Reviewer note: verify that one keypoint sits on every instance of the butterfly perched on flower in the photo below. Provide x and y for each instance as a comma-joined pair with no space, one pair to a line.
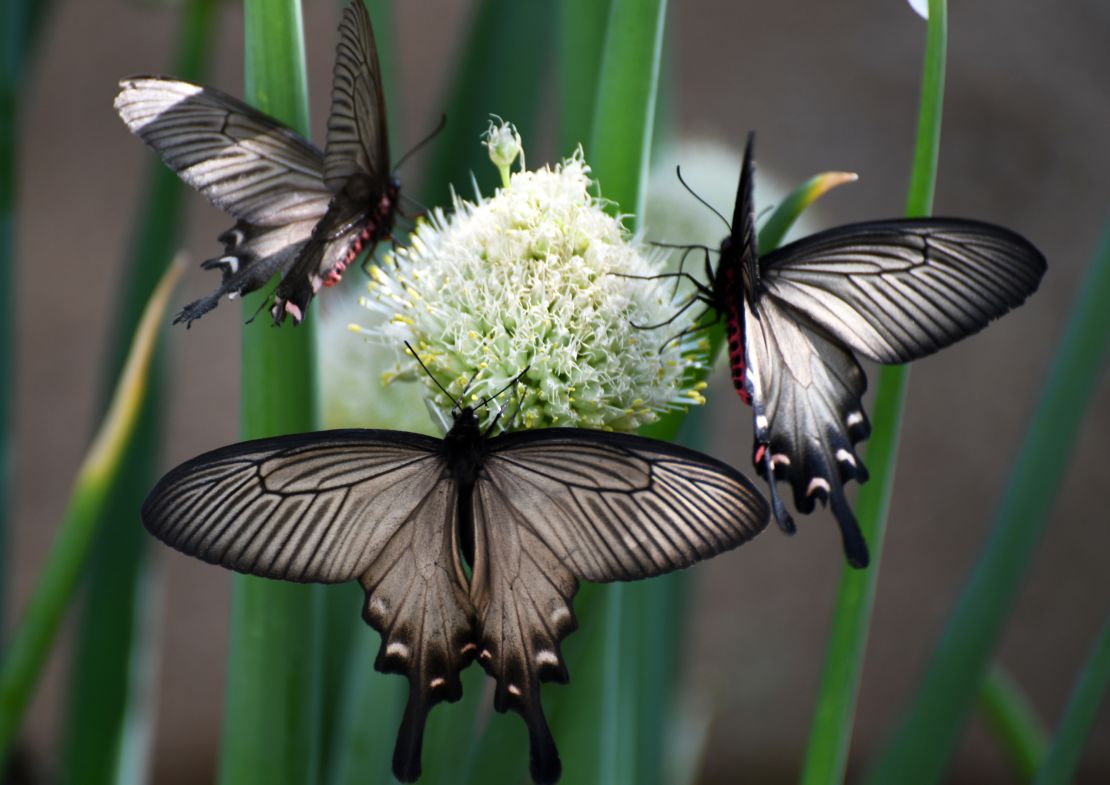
891,291
468,547
299,212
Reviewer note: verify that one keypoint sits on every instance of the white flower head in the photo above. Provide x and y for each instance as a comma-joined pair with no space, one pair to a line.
538,277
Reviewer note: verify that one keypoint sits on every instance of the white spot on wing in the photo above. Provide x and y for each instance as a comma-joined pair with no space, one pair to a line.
379,606
514,690
437,683
397,649
560,615
844,456
817,483
547,657
761,422
778,458
855,418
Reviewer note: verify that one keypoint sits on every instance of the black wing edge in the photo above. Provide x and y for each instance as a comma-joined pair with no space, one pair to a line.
744,237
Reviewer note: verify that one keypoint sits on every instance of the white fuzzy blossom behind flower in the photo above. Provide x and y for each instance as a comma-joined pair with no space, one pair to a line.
534,277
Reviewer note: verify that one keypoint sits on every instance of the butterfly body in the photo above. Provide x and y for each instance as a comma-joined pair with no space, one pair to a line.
532,513
359,217
891,291
300,212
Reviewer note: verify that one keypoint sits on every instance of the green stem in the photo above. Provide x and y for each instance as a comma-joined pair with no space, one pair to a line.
582,25
620,154
1014,722
831,733
272,717
1079,715
924,740
30,646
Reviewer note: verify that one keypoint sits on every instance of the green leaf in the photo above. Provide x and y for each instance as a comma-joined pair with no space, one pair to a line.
1079,715
501,72
26,655
1014,722
272,726
582,25
105,704
924,740
831,732
619,152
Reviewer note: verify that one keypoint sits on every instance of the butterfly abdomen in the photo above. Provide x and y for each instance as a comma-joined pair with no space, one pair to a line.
734,326
377,226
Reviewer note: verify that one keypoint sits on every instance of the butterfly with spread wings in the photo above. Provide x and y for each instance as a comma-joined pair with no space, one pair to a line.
531,513
298,211
891,291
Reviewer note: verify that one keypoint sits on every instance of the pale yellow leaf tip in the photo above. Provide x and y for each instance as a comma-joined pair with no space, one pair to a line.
130,389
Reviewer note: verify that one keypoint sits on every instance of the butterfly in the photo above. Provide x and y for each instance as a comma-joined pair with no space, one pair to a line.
298,211
468,547
891,291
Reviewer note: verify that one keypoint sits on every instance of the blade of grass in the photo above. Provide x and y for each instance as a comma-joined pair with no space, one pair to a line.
502,70
111,641
343,630
1014,722
271,730
582,25
620,154
833,717
30,646
924,740
1079,715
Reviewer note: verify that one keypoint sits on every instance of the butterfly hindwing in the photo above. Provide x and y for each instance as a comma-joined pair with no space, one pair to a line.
899,290
806,392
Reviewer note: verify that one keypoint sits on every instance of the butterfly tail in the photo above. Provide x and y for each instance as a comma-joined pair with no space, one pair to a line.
545,765
410,739
855,547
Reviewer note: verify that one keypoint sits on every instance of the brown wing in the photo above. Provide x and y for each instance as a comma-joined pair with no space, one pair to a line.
329,507
558,505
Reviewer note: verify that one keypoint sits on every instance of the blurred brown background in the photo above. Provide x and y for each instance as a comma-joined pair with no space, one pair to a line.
827,86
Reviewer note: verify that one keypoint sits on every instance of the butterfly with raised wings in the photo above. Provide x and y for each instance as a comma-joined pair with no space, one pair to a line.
891,291
298,211
531,513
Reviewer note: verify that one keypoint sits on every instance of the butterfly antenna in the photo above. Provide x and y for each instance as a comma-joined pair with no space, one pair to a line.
512,381
501,410
422,142
432,377
678,171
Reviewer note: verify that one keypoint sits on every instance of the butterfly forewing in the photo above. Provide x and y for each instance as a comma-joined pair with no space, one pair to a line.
356,170
898,290
358,142
242,161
